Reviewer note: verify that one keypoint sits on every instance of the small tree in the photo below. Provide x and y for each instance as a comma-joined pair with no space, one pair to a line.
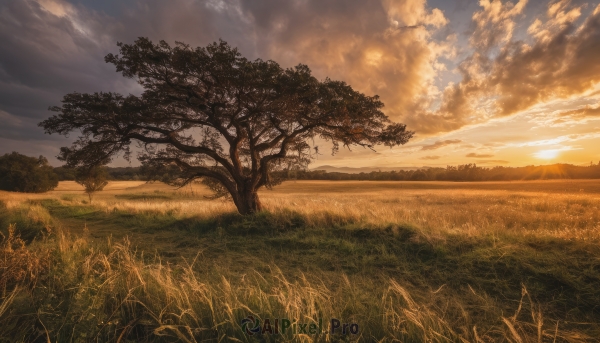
92,179
211,113
20,173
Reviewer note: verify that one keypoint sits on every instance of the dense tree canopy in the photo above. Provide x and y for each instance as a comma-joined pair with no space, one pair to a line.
210,113
20,173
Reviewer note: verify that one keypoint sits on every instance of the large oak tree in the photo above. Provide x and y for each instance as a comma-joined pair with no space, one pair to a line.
210,113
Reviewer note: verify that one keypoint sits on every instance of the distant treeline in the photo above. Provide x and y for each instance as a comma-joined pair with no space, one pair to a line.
114,173
466,172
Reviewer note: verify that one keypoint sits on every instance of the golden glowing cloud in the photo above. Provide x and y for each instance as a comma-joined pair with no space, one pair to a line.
58,8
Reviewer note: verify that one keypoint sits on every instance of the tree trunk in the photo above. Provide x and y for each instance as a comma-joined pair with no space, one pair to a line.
248,203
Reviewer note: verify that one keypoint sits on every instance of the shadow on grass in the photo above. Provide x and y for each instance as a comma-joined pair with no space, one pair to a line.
263,223
561,274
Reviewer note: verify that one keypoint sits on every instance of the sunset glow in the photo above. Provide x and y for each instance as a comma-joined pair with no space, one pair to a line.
300,170
547,154
491,82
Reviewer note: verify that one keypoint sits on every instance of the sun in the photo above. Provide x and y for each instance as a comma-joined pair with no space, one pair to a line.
546,154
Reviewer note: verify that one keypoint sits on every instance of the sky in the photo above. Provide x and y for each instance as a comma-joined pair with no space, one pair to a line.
493,82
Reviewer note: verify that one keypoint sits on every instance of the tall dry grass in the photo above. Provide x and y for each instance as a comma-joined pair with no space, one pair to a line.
571,216
109,294
62,287
565,211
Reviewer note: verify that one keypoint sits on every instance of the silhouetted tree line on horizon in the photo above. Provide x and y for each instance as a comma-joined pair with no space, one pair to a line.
113,174
30,174
466,172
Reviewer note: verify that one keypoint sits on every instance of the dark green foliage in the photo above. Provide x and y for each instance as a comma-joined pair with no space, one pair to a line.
124,173
65,173
20,173
114,173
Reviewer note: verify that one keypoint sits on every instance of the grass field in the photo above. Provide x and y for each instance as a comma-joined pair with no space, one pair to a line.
406,261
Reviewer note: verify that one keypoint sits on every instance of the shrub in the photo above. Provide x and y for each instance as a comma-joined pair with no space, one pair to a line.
93,180
20,173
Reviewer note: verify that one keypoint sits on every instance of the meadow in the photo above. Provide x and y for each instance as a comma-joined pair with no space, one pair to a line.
406,261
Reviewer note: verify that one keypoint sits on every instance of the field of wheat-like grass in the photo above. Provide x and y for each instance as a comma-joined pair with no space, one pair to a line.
405,261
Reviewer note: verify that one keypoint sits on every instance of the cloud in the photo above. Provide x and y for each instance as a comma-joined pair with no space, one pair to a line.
9,119
584,112
561,63
503,77
441,144
558,142
54,47
399,50
494,23
378,47
493,162
491,26
51,48
430,157
479,155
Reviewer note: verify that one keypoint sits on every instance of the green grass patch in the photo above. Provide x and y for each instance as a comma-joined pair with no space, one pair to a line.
29,220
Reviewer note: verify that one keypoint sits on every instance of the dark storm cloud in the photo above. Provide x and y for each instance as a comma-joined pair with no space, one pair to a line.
51,48
43,57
